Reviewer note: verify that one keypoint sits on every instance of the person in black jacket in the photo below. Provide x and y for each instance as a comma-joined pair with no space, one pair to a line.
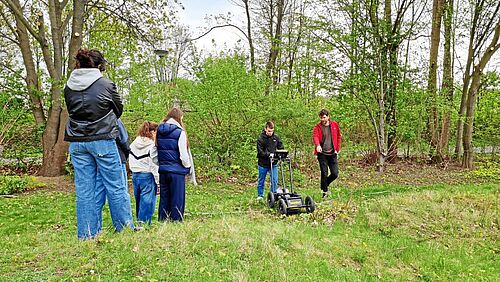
267,144
94,107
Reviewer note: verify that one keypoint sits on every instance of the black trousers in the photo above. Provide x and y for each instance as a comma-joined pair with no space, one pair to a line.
328,162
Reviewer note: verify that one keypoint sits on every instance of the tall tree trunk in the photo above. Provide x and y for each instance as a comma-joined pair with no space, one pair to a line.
390,66
31,74
447,85
471,99
432,78
465,87
392,146
249,33
382,155
271,68
54,147
76,32
293,47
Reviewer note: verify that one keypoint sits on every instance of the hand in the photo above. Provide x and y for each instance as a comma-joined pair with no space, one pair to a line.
319,149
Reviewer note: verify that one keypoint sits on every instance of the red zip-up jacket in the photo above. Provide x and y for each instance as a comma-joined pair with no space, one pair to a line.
318,135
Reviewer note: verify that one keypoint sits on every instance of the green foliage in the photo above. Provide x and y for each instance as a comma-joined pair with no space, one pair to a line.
15,116
412,115
487,114
146,100
17,184
225,118
487,170
226,110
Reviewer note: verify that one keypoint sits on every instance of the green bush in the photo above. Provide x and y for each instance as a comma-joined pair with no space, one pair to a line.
17,184
226,110
487,170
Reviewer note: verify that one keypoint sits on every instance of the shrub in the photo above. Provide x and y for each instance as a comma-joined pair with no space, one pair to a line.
17,184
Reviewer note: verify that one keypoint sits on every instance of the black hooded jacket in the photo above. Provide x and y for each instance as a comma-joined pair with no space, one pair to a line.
265,146
94,106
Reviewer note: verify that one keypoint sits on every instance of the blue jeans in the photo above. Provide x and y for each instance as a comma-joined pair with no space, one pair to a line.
100,195
88,158
145,195
172,196
263,171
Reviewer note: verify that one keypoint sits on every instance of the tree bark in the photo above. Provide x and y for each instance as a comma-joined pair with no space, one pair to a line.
32,85
54,147
471,98
271,68
466,83
391,47
76,32
249,35
432,78
447,85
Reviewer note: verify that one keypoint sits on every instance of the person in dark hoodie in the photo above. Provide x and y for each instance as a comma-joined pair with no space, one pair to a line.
94,106
174,164
267,144
124,151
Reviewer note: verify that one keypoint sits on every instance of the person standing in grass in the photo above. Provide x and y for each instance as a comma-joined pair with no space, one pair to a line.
145,176
123,150
327,139
267,144
174,164
94,107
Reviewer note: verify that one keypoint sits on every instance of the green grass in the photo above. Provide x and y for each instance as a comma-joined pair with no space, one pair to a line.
385,232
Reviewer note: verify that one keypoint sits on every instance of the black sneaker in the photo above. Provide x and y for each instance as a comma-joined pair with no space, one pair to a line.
325,195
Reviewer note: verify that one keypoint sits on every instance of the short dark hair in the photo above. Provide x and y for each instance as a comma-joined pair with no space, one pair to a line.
324,112
270,125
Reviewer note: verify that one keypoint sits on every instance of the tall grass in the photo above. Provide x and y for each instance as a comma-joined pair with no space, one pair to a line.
441,232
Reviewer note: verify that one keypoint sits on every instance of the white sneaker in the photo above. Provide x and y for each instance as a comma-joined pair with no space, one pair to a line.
259,198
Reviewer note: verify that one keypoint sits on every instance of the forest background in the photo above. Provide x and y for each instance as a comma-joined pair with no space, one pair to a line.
414,85
405,79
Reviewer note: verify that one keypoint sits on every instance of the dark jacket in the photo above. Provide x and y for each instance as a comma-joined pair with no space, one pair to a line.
94,106
122,142
167,139
265,146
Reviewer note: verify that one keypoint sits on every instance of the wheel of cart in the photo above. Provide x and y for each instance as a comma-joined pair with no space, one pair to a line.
282,208
270,199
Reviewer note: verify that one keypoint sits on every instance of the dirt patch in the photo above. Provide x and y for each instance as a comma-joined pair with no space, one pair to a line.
404,173
58,183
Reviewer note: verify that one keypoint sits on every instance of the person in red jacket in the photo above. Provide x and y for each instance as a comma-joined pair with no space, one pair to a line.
327,138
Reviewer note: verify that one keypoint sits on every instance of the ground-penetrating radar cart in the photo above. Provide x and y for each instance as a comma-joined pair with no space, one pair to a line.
285,198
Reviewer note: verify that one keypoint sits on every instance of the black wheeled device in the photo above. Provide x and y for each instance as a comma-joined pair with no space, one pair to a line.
285,198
